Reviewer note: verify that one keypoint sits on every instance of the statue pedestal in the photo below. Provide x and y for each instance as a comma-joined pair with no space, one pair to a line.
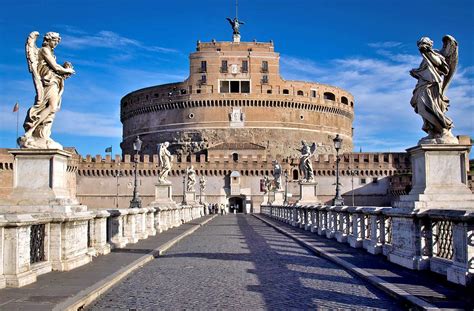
236,38
190,197
308,193
40,183
163,194
439,178
279,197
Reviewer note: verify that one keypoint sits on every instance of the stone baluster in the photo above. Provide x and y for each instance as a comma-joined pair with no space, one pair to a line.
116,226
98,234
373,242
150,221
356,238
140,223
462,269
130,226
331,222
314,219
322,220
342,231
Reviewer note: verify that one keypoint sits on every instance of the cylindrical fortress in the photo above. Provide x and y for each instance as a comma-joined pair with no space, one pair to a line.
234,94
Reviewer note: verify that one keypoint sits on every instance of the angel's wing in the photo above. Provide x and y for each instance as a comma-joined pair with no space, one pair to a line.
313,148
31,51
450,53
160,154
230,21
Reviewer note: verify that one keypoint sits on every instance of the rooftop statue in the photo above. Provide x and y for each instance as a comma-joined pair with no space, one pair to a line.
235,23
165,162
48,79
306,165
429,99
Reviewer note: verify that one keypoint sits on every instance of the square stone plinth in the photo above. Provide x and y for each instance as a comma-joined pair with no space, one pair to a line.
308,193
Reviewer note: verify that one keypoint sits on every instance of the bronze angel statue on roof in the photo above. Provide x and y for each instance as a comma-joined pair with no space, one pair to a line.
235,23
48,79
429,96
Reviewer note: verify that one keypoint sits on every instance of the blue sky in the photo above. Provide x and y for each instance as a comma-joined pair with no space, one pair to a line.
366,47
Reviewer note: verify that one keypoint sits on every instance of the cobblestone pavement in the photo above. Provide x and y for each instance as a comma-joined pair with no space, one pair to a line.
238,262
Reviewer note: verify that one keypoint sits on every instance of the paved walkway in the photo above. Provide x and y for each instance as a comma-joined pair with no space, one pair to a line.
60,289
424,286
238,262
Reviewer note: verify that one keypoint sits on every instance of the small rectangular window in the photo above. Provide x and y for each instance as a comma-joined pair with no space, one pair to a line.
203,79
224,87
224,66
264,66
203,66
245,66
264,79
234,86
313,93
363,181
375,180
245,87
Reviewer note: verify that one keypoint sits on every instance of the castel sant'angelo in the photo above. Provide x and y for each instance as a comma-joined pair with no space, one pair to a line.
230,120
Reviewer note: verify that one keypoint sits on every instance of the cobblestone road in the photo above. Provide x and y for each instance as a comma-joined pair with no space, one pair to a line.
237,262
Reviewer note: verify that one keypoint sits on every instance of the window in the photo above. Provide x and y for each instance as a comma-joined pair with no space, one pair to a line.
264,79
329,96
234,87
198,91
313,93
344,100
224,66
269,91
295,175
245,66
264,66
203,66
363,181
203,79
235,158
300,93
224,87
183,91
286,91
244,86
375,180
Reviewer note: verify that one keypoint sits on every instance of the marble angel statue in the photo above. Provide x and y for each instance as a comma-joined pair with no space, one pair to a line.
306,165
191,180
165,162
48,79
429,99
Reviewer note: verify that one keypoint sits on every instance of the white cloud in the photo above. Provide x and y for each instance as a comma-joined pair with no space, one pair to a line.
87,124
385,45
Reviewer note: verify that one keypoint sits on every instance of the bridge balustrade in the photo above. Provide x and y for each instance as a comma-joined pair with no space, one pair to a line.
440,240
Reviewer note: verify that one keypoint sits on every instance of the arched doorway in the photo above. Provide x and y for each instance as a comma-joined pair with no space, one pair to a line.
237,204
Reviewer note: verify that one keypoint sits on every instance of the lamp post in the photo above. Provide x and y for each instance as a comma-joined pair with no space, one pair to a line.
353,172
136,202
184,189
286,188
117,175
338,200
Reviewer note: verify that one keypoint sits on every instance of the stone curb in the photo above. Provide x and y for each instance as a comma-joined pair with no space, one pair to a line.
388,288
91,293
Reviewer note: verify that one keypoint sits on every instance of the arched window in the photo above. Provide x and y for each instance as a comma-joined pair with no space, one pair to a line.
344,100
300,93
235,157
286,91
295,175
329,96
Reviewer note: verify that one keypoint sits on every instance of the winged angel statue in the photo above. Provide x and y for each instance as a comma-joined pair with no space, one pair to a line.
306,166
48,79
429,96
165,162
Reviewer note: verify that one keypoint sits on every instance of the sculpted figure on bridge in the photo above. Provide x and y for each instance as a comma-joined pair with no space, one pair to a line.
277,175
306,165
48,79
191,180
429,96
165,162
202,183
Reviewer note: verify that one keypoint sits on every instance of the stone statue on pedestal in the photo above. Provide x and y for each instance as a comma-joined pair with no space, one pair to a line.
306,165
202,183
48,78
277,175
165,162
191,180
429,96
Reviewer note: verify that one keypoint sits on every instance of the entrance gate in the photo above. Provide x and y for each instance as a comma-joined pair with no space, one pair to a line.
237,204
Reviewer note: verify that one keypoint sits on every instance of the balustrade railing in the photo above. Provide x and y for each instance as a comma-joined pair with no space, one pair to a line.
37,237
441,237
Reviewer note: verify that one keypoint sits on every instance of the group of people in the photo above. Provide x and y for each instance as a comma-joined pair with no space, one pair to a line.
216,209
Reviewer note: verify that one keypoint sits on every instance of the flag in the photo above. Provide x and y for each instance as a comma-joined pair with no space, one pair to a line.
16,107
108,149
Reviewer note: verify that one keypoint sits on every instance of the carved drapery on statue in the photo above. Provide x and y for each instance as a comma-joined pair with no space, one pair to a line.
202,183
306,165
429,96
165,162
48,79
276,175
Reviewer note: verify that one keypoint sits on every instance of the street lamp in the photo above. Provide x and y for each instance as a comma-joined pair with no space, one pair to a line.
184,189
338,200
136,202
286,188
353,172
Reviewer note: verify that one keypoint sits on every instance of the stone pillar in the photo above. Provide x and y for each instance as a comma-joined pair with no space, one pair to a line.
308,193
356,238
130,226
322,220
150,221
140,222
2,238
116,228
98,233
462,269
69,240
343,228
374,242
190,197
331,223
314,219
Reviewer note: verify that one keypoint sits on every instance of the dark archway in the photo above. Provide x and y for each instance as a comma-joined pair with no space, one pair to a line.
237,204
